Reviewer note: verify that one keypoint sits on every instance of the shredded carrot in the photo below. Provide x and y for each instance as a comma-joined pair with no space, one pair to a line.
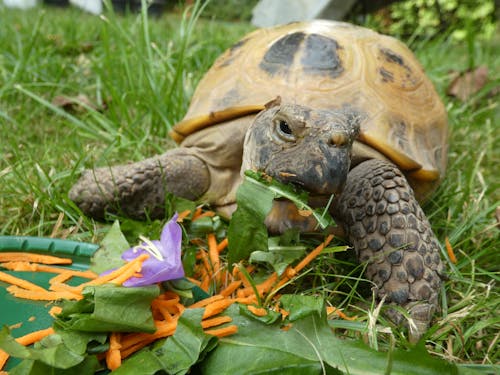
449,250
205,279
257,311
35,267
217,307
222,332
313,254
10,279
196,213
214,322
60,278
204,214
36,336
183,215
213,254
113,355
246,300
42,295
222,245
206,301
231,288
284,313
32,257
17,325
55,310
4,357
333,310
112,276
286,327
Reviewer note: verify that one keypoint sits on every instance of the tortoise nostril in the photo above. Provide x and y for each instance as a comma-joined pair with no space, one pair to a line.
338,139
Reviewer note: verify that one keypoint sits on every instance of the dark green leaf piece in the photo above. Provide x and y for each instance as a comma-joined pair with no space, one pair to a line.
109,308
109,254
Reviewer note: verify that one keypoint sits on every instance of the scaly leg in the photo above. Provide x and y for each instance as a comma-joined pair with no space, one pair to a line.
390,232
138,190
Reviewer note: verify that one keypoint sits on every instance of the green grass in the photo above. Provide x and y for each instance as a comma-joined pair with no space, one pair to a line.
143,72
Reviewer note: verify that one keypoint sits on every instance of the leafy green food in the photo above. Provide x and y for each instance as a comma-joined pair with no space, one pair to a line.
56,354
310,347
247,231
111,248
110,308
282,251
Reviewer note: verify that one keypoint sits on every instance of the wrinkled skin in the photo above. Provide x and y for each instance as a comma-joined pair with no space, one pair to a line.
295,144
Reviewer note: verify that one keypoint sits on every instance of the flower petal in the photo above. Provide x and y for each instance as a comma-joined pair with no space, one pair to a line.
156,270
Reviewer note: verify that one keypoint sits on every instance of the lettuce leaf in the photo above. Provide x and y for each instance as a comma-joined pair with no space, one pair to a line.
310,347
110,308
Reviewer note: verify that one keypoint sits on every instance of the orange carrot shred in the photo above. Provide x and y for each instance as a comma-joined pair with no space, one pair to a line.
313,254
32,257
113,355
257,311
42,295
213,254
55,310
184,214
35,267
206,301
217,307
4,357
204,214
449,250
222,332
197,213
222,245
10,279
231,288
112,276
214,322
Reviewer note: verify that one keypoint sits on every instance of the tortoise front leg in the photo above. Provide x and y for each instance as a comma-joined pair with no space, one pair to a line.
138,190
390,232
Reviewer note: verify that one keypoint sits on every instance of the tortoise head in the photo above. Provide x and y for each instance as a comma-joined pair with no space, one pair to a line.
307,147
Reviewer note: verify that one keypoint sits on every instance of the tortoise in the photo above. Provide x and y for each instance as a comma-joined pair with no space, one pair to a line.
329,106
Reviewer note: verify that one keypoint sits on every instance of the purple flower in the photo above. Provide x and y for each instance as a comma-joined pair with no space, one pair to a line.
164,262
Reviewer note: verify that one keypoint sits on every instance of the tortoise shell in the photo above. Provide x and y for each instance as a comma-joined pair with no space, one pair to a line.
331,65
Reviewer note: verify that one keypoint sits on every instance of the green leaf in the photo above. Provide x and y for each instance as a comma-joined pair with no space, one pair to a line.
290,192
57,355
109,254
302,306
247,231
309,346
110,308
30,367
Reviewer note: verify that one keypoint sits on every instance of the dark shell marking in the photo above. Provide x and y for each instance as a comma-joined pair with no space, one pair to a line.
279,57
319,55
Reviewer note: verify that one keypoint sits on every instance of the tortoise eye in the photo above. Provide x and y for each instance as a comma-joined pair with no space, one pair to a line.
284,128
284,131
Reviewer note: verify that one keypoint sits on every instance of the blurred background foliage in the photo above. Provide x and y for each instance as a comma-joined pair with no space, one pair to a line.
425,18
428,18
